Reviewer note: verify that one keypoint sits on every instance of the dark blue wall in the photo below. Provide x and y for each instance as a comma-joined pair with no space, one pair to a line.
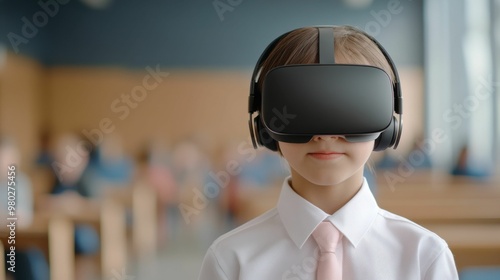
190,33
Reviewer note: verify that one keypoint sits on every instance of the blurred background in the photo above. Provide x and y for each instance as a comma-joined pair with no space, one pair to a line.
126,122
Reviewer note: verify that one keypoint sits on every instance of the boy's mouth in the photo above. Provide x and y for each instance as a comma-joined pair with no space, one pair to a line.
326,155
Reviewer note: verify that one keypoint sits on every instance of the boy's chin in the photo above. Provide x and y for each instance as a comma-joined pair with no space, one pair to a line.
326,180
329,178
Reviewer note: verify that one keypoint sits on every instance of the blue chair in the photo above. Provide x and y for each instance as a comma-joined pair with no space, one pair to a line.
480,273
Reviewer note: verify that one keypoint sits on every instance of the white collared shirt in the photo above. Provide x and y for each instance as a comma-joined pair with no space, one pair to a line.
376,244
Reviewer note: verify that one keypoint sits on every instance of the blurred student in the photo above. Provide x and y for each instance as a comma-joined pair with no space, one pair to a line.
191,168
31,264
109,168
70,160
155,168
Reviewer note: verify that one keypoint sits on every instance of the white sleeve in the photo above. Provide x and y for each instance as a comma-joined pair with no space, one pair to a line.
211,269
443,267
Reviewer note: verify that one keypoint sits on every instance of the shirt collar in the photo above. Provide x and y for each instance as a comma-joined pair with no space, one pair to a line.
300,217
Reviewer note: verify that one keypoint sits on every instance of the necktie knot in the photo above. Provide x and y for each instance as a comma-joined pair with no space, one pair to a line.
327,237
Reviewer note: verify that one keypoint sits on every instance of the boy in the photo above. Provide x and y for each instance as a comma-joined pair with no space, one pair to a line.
327,198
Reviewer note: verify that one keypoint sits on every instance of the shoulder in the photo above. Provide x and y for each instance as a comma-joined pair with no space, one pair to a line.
251,230
228,252
416,241
416,245
409,230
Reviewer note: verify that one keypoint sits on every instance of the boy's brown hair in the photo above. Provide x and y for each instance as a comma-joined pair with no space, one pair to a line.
301,47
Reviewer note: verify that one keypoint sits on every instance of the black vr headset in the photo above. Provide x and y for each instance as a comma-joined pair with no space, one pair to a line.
297,102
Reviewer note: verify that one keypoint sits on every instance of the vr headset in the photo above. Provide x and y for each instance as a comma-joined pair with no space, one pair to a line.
297,102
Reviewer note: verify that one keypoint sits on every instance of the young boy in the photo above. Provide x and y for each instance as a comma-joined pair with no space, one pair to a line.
327,198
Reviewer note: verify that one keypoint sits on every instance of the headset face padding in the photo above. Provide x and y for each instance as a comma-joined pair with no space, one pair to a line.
357,102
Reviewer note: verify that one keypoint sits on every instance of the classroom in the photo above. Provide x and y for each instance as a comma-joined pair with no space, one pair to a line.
137,140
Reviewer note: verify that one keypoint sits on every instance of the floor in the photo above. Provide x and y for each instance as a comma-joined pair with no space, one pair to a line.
183,253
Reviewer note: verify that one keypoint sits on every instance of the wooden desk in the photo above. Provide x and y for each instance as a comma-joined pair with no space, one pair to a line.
142,201
72,206
446,210
443,203
471,244
107,217
413,190
393,180
55,237
113,239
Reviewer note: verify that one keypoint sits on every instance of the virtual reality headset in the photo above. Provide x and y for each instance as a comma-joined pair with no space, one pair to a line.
297,102
300,101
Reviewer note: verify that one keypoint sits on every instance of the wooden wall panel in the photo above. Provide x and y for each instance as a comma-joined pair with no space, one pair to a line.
211,104
21,103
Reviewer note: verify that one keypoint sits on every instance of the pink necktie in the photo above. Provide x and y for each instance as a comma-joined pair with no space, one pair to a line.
327,237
